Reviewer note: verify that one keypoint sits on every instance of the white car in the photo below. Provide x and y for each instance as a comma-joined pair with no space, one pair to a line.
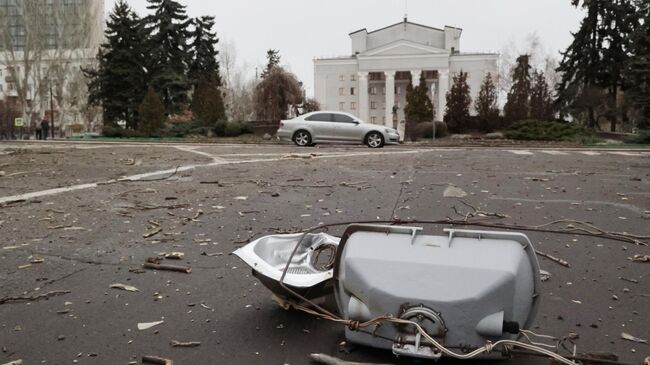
335,127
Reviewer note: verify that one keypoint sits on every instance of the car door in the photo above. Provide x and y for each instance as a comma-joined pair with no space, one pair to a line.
322,126
347,128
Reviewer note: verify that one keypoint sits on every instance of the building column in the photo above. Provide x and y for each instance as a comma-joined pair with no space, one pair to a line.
363,96
415,77
443,87
390,97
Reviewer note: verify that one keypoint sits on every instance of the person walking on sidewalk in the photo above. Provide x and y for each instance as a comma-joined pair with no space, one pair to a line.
39,130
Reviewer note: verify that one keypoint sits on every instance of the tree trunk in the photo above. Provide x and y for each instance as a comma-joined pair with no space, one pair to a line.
592,118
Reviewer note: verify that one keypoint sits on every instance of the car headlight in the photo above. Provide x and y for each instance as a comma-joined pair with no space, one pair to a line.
389,130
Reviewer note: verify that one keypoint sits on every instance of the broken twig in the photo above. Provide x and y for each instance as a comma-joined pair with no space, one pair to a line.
553,258
34,297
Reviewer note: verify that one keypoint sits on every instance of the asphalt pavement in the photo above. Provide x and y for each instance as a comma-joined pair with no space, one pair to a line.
76,218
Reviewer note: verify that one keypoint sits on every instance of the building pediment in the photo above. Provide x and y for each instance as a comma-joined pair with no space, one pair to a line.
403,47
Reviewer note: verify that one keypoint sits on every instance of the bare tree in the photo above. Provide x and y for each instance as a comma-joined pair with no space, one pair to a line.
238,86
43,46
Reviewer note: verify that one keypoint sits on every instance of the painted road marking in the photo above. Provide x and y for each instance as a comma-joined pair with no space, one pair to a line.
521,152
143,177
630,154
554,153
589,153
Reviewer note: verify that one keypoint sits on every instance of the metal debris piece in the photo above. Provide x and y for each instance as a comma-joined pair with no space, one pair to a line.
152,232
172,255
124,287
544,275
146,325
629,337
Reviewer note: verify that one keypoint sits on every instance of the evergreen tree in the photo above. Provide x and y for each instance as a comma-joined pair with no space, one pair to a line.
152,113
207,101
118,85
273,60
518,103
204,64
596,57
486,104
459,100
168,47
418,107
276,93
541,103
638,67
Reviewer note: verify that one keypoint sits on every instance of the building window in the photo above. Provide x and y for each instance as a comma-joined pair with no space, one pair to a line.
383,120
353,106
430,75
373,90
341,91
398,90
1,89
353,77
11,86
352,91
373,120
383,90
373,105
341,78
342,105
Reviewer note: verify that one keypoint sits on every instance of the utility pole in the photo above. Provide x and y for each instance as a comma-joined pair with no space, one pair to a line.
51,110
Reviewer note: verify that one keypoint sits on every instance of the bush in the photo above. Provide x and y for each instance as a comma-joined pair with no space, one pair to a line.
642,138
425,130
235,129
119,132
183,129
535,130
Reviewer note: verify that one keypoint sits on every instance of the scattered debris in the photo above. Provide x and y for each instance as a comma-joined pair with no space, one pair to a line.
240,198
124,287
152,232
477,212
629,337
146,325
34,297
212,254
172,255
544,275
454,192
15,362
175,343
156,360
639,258
553,258
153,263
329,360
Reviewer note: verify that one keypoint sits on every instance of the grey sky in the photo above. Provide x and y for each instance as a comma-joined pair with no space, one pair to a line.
304,29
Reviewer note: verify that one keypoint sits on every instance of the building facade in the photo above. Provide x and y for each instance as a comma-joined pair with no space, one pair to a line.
43,46
371,82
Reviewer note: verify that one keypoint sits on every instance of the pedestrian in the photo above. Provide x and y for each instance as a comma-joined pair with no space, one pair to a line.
45,126
39,131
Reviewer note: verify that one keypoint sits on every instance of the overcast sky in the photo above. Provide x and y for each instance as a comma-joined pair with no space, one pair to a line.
304,29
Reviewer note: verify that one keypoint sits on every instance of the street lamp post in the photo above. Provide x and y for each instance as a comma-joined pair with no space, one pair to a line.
51,111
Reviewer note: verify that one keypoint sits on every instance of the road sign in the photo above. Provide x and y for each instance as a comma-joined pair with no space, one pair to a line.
19,122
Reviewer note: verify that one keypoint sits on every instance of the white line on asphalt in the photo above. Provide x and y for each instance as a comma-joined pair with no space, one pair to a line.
631,154
521,152
142,177
193,150
554,153
589,153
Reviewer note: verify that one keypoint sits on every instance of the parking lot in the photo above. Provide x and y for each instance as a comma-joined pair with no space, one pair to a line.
76,218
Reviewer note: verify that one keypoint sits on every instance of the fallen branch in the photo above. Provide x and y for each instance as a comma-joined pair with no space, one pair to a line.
153,263
34,297
185,344
553,258
329,360
477,212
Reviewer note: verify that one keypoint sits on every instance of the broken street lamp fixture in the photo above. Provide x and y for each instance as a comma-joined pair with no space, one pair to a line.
436,295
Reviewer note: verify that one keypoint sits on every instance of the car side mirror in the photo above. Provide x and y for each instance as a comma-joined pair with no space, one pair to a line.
356,122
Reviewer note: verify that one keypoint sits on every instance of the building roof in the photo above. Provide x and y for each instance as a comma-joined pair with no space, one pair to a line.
401,23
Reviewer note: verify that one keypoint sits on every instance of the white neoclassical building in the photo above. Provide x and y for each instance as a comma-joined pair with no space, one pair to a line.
371,82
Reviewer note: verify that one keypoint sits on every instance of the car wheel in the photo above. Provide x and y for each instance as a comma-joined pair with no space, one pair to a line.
375,140
302,138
